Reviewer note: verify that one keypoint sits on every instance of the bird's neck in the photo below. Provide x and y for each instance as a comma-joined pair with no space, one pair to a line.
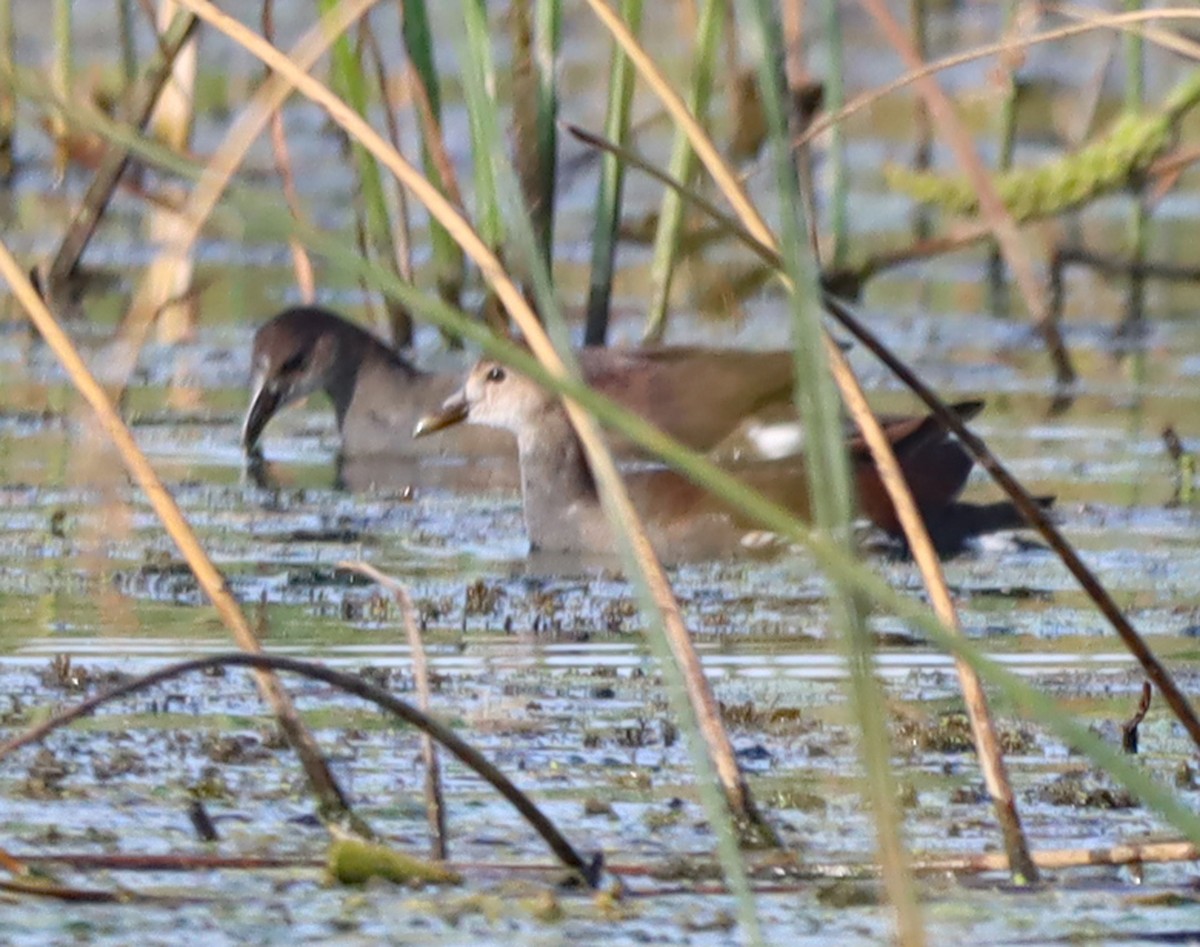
366,364
555,476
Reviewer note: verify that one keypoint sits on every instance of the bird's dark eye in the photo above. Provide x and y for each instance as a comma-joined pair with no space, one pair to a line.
495,373
293,364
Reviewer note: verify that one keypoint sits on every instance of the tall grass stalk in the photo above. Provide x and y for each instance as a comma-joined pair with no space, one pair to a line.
306,283
612,176
350,80
126,36
423,77
481,110
61,78
534,110
136,109
397,200
8,96
829,479
835,98
1139,218
547,35
1009,102
682,167
918,15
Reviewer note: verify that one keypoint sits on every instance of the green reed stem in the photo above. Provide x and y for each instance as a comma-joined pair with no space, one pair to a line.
835,98
419,46
922,127
537,190
482,111
682,167
61,75
350,80
8,96
612,176
125,35
829,478
1139,217
547,36
1008,141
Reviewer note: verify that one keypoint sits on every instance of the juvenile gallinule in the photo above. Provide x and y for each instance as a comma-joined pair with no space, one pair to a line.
562,508
696,395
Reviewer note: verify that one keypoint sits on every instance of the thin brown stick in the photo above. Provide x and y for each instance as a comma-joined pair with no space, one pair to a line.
83,224
435,803
848,281
350,684
173,861
14,866
301,263
1129,730
1058,859
991,207
332,801
45,889
983,729
1163,852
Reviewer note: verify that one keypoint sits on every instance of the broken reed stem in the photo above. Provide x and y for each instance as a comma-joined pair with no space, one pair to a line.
350,684
137,111
435,805
987,745
992,209
699,691
301,263
332,801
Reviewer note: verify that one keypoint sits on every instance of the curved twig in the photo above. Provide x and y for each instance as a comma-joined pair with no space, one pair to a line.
351,684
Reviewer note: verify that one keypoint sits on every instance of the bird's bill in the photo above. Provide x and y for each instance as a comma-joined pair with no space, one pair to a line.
264,402
453,412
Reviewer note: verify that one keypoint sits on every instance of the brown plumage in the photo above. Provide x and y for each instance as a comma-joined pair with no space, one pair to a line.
696,395
562,509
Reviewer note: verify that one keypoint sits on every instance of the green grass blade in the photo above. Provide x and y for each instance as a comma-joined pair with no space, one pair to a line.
612,176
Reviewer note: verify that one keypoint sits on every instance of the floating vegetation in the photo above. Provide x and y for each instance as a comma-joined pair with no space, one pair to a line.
1108,164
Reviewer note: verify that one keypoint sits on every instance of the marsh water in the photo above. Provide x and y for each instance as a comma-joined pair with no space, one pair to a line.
541,663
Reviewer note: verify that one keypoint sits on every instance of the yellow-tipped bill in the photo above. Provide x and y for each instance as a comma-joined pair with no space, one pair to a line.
453,412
